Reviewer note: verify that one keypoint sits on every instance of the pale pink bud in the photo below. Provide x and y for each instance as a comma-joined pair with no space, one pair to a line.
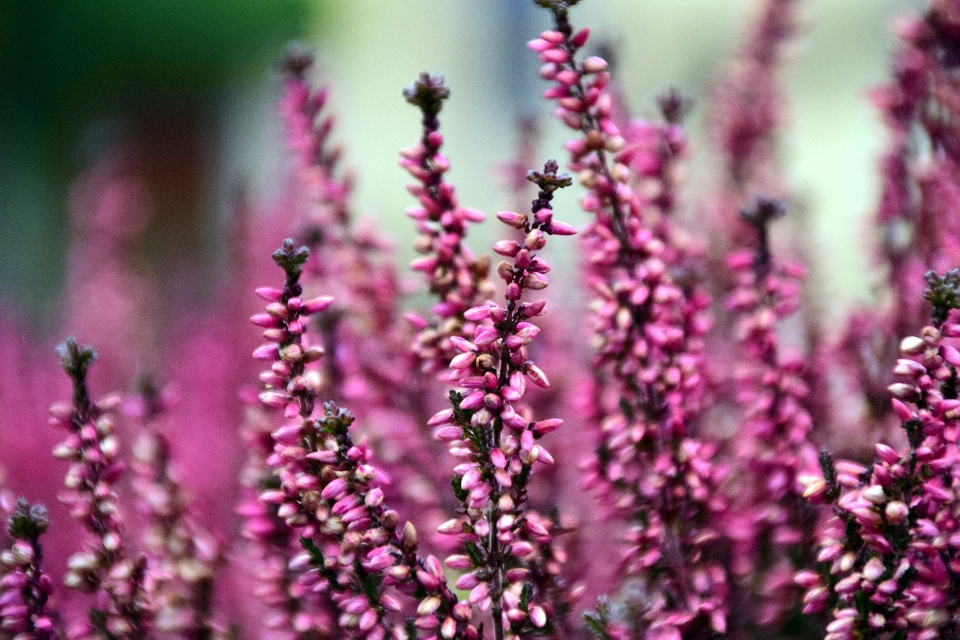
368,620
903,411
903,391
274,399
267,352
316,305
470,479
951,355
463,361
875,494
912,345
335,489
873,570
538,616
896,512
441,417
459,562
508,248
451,527
269,294
558,228
467,581
513,219
448,434
477,314
537,376
265,320
539,45
478,593
807,579
887,453
471,214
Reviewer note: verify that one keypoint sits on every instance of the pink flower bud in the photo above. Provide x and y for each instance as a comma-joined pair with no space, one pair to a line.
579,38
267,352
269,294
896,512
513,219
594,64
316,305
912,345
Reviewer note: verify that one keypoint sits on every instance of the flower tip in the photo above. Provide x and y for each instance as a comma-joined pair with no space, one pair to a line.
269,294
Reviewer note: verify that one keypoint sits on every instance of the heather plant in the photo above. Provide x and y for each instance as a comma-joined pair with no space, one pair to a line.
413,472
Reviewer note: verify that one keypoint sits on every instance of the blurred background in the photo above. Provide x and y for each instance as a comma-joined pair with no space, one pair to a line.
189,89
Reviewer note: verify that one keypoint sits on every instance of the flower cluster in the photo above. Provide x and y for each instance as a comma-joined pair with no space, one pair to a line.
331,494
916,214
648,325
489,433
694,416
120,582
455,276
183,555
24,586
890,555
773,441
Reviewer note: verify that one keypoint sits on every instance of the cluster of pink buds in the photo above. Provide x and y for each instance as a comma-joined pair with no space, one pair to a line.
291,614
890,556
749,103
24,586
492,436
332,495
307,132
454,275
648,327
920,191
122,584
919,199
183,556
773,437
287,383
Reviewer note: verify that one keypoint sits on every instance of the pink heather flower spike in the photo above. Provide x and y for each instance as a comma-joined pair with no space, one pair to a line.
773,439
124,585
24,586
455,276
916,216
333,497
889,553
182,555
748,110
288,386
496,444
367,342
648,333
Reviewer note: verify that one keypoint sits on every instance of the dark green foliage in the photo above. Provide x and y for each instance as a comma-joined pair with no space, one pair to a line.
943,293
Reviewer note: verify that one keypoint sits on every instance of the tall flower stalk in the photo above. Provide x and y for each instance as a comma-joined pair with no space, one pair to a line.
181,554
454,275
888,560
332,495
122,585
25,587
647,325
771,523
916,216
489,433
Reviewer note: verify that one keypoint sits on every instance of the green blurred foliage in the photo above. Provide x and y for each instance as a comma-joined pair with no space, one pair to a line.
64,63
